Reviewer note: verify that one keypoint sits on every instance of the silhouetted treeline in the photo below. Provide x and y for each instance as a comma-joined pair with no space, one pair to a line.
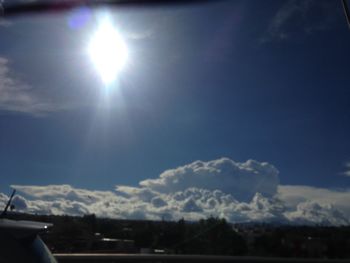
212,236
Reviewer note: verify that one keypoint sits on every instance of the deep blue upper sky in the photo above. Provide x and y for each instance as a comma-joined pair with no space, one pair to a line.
263,80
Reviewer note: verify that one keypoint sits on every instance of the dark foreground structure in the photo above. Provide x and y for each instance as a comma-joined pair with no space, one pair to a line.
91,239
71,258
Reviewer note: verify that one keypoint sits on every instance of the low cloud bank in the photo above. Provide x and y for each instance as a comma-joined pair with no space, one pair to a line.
239,192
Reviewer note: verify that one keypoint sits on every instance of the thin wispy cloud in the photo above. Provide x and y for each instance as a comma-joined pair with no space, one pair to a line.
347,169
146,34
5,22
300,17
17,96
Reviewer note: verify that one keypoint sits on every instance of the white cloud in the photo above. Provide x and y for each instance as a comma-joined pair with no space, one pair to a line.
16,96
65,192
19,202
241,180
3,199
313,212
198,190
293,195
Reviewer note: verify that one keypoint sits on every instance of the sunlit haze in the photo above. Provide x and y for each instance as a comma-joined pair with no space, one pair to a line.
107,51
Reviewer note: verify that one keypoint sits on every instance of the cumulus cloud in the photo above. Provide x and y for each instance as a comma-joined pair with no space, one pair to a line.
239,192
19,202
313,212
241,180
16,96
3,199
297,194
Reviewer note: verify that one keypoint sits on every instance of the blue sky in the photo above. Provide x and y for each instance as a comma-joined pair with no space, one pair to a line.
262,80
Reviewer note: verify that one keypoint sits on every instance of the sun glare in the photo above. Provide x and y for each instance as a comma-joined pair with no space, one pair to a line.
107,51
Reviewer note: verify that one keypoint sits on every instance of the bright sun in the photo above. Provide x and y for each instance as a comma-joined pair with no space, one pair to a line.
108,51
